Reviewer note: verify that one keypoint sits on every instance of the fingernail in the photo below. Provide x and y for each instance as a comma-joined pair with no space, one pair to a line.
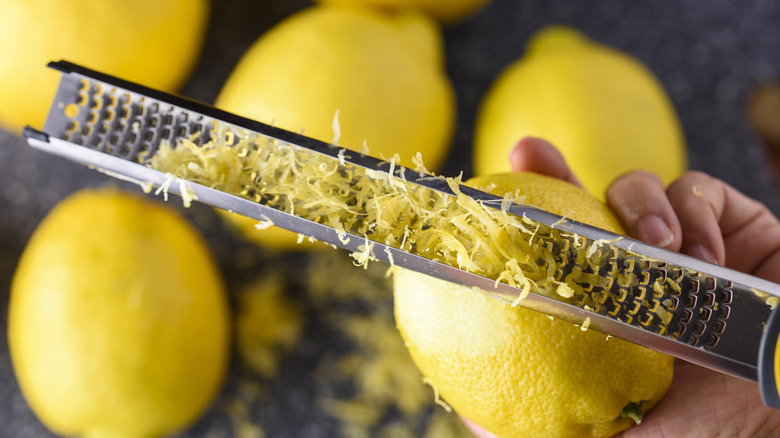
702,252
652,229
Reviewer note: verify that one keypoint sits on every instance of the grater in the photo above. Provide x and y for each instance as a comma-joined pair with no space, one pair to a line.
679,305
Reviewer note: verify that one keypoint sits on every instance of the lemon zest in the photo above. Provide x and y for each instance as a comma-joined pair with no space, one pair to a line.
382,207
163,188
336,128
436,398
264,223
146,186
187,194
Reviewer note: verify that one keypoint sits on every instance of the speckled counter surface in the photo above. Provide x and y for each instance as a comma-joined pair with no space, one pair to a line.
709,56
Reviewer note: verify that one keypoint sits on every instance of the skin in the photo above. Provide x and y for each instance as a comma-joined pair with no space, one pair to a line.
706,218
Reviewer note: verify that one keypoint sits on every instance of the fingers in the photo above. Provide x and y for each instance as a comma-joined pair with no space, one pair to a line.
700,216
697,214
536,155
738,231
639,199
699,201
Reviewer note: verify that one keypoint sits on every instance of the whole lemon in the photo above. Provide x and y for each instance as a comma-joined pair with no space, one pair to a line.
517,372
118,320
155,43
383,74
604,110
445,11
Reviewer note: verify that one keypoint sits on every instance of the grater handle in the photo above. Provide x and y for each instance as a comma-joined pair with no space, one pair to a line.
769,362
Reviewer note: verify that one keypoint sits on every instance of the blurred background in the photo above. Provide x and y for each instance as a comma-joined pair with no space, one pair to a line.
718,61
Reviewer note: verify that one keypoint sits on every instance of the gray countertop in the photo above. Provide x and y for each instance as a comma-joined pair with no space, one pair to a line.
709,56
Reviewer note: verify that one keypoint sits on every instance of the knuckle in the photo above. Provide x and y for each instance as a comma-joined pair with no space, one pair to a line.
633,182
694,176
639,178
692,183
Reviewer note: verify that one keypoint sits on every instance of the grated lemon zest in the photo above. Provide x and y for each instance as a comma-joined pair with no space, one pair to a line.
436,398
564,290
673,284
169,178
488,188
187,195
336,128
364,254
417,161
597,244
146,186
381,207
342,157
390,260
264,223
563,219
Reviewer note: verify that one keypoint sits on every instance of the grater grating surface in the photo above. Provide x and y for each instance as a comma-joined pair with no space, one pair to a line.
676,304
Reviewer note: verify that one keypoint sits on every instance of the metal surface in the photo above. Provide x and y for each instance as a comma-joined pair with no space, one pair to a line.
714,316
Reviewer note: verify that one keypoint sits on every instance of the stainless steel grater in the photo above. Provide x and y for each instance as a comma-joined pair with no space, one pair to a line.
673,303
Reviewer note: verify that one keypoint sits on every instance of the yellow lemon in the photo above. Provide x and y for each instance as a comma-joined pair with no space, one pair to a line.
155,43
604,110
383,74
517,372
118,320
446,11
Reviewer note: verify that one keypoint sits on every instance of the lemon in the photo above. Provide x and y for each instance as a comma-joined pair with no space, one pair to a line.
445,11
118,321
155,43
383,74
603,109
517,372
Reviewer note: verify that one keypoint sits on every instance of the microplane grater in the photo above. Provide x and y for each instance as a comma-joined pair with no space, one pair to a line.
670,302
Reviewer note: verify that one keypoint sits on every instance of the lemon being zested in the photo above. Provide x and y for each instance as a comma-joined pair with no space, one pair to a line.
517,372
604,110
383,74
118,320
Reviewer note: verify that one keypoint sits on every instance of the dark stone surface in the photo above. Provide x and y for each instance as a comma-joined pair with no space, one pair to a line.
709,56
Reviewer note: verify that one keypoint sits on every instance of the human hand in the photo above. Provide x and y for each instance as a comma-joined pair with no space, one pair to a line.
706,218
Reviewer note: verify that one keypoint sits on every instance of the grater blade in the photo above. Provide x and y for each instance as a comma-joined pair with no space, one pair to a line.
673,303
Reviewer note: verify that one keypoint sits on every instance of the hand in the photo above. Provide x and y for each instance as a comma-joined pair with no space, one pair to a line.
706,218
